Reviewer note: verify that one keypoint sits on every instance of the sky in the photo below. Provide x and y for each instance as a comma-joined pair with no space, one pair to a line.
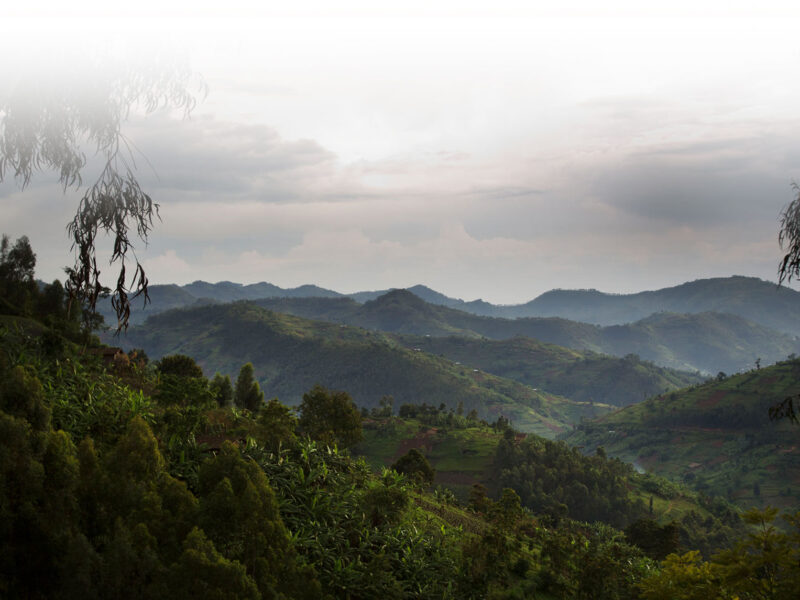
487,150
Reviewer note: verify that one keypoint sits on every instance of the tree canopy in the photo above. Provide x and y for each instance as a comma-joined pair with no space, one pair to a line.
330,416
247,393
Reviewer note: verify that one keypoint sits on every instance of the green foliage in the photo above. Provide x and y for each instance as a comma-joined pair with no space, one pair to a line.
17,285
142,508
579,375
654,540
202,572
414,465
177,390
590,562
21,395
683,577
356,531
291,355
248,394
555,479
330,417
222,389
276,426
179,365
385,501
239,513
765,564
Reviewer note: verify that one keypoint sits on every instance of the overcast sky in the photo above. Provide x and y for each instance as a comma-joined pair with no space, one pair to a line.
487,150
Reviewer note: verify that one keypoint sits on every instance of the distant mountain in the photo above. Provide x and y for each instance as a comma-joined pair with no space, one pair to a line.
478,307
291,354
749,297
718,436
756,300
167,297
706,342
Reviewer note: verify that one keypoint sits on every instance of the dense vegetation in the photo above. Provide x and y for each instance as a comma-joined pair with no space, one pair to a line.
117,486
122,478
552,479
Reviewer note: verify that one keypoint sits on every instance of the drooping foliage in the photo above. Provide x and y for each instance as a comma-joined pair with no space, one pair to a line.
51,121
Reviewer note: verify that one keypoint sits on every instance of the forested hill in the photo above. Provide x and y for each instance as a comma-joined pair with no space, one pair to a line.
291,354
717,435
708,342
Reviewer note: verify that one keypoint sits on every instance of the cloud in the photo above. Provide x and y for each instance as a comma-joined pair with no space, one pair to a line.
203,158
703,184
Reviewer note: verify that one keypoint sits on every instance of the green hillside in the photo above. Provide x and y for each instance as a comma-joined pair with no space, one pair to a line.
464,454
583,376
717,435
291,354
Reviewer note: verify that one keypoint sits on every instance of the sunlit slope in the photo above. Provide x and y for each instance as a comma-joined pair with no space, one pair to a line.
291,354
717,435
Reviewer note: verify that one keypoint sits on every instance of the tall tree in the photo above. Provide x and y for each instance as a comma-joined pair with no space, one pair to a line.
17,264
222,389
248,393
330,416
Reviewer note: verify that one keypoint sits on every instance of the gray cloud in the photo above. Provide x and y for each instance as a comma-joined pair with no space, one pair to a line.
216,159
704,184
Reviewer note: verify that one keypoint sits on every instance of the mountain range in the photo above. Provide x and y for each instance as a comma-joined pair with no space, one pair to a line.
705,342
748,297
